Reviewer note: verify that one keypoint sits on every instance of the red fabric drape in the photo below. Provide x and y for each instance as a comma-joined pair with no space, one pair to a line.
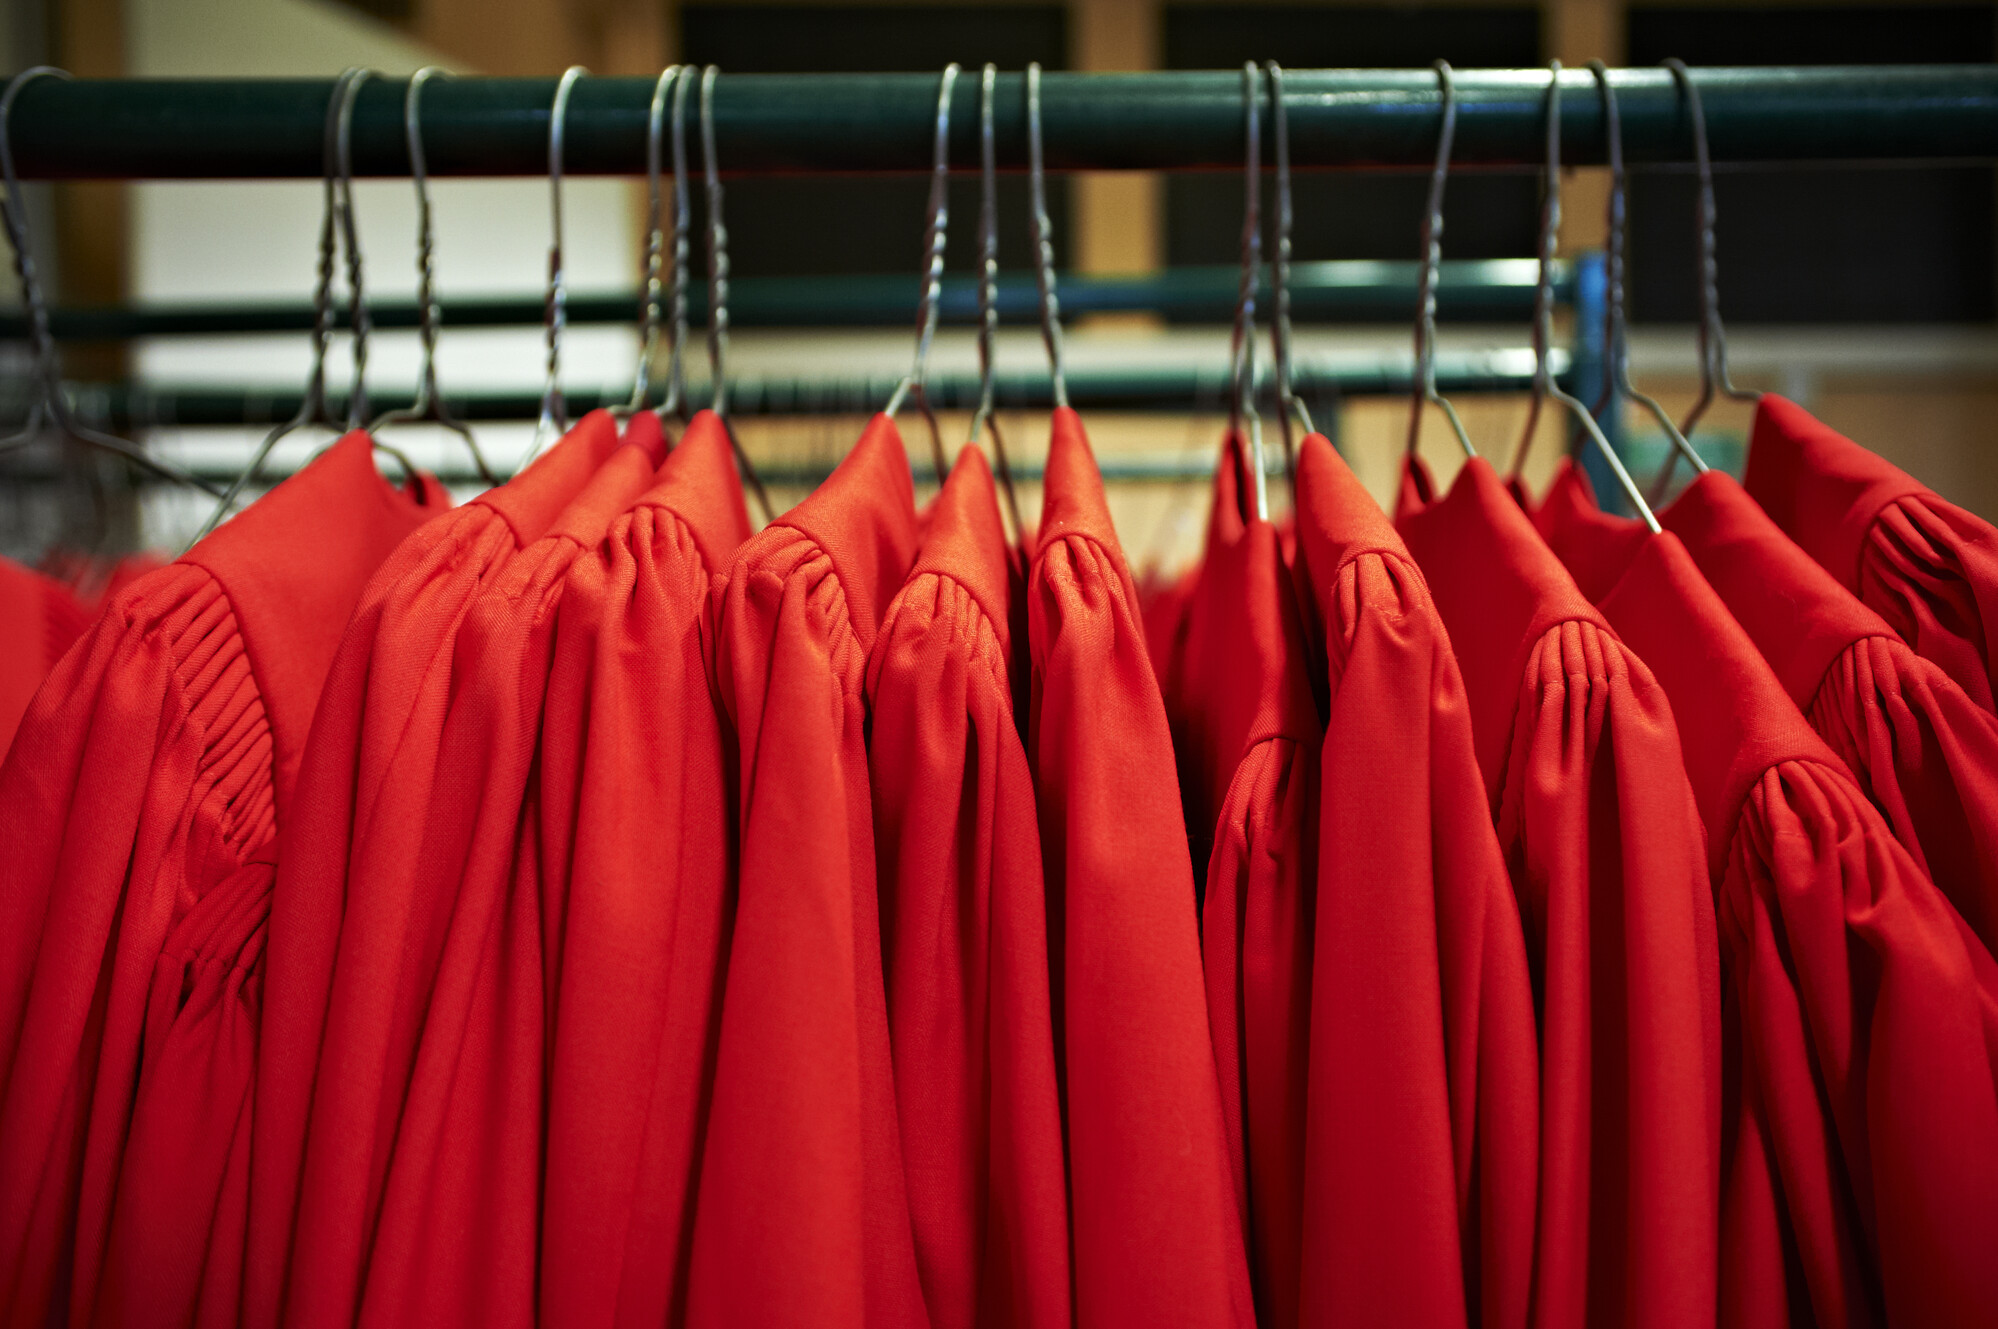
964,928
1581,757
43,620
1923,564
346,883
803,1214
1862,1181
138,806
1420,1169
1156,1235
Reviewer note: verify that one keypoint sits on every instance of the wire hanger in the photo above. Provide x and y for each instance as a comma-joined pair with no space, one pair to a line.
1289,405
554,418
718,289
1544,384
1616,331
336,223
916,380
652,313
428,408
984,418
50,409
1242,343
1713,336
1432,257
1044,264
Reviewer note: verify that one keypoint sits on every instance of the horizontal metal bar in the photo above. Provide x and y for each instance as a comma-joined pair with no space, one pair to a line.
1491,289
812,123
1166,389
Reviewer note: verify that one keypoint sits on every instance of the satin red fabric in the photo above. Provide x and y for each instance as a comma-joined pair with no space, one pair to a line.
138,806
803,1215
347,884
964,929
1420,1167
43,620
1926,566
633,821
1581,758
1156,1229
1921,750
1862,1177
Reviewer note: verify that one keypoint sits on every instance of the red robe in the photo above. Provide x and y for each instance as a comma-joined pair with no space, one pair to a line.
1862,1178
42,619
138,807
803,1216
1581,757
346,884
964,928
1919,747
637,853
1421,1157
1248,736
1924,564
456,1144
1156,1230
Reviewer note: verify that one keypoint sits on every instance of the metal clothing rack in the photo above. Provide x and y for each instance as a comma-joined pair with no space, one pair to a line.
773,124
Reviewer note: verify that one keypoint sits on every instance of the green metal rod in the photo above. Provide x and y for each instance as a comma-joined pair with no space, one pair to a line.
811,123
1165,388
1496,290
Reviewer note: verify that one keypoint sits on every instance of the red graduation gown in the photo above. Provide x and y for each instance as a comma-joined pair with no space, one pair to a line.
138,808
1920,748
1157,1234
1249,736
1862,1181
1924,564
1581,758
1421,1158
964,928
457,1141
42,620
637,853
346,885
803,1216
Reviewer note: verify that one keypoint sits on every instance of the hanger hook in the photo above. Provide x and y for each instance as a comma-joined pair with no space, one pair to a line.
1544,383
358,321
652,300
1242,415
917,380
554,407
1432,257
683,213
429,404
1044,271
1616,328
717,287
988,290
1712,334
1289,405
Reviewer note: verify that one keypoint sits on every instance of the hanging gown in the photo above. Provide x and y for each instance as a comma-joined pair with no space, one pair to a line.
138,809
1421,1155
964,928
456,1145
1924,564
346,886
1921,750
803,1215
1581,758
1862,1186
1248,738
1156,1231
637,853
42,620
